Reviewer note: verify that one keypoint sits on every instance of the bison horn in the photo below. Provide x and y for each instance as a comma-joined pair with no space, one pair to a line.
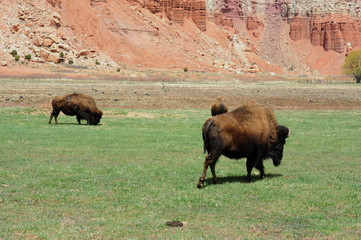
283,131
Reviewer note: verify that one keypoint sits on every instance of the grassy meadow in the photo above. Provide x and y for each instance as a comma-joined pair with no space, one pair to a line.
138,169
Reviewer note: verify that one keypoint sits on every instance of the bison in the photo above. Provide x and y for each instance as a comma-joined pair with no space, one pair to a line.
250,131
218,107
80,105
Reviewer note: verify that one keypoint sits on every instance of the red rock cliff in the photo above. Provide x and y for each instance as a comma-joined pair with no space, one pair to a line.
283,36
332,32
178,10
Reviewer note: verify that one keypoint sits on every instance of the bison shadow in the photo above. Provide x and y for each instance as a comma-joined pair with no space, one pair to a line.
73,123
241,179
65,123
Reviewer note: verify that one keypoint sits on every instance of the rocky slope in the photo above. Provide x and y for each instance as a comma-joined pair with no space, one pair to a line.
285,37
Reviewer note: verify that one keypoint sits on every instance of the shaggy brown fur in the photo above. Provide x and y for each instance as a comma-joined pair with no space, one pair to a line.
218,107
250,131
80,105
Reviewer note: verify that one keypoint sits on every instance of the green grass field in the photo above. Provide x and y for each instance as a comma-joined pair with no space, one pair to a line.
127,177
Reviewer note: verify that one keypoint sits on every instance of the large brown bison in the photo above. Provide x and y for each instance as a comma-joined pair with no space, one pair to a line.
218,107
250,131
80,105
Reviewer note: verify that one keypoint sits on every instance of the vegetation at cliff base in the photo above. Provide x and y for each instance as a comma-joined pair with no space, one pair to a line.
352,65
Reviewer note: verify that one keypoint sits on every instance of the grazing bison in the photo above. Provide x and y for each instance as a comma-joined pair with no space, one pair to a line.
218,107
81,105
250,131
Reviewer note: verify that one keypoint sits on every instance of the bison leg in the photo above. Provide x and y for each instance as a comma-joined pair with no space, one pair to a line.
255,161
51,117
213,169
260,167
211,160
250,164
54,114
83,115
78,118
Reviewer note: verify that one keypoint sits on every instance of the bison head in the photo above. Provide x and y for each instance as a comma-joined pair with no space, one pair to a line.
276,152
95,117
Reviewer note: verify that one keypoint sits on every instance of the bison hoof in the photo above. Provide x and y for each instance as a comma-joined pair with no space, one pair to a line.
200,183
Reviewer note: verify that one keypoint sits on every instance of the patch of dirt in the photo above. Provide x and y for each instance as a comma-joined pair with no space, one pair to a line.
130,115
198,90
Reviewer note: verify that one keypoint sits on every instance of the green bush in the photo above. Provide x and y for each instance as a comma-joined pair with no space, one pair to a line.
17,57
28,57
71,62
61,55
118,69
185,69
14,53
97,62
352,65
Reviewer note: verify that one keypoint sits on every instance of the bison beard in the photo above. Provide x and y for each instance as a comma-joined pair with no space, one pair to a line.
250,131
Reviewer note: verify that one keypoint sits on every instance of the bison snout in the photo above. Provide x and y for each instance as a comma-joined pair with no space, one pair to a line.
276,159
276,163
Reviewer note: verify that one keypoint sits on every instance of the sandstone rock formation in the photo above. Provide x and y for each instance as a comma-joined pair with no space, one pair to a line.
332,32
178,10
331,24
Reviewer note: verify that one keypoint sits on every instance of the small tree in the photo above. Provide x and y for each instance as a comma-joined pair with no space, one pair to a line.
28,57
352,65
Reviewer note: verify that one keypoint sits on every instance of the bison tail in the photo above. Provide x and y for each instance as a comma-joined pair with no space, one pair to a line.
205,133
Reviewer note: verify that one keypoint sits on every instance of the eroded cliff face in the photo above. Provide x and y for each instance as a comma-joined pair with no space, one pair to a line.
289,36
178,10
333,25
326,23
332,32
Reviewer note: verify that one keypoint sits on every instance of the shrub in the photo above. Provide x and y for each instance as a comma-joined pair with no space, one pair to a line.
17,57
352,65
97,62
71,62
118,69
185,69
28,57
61,55
14,53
